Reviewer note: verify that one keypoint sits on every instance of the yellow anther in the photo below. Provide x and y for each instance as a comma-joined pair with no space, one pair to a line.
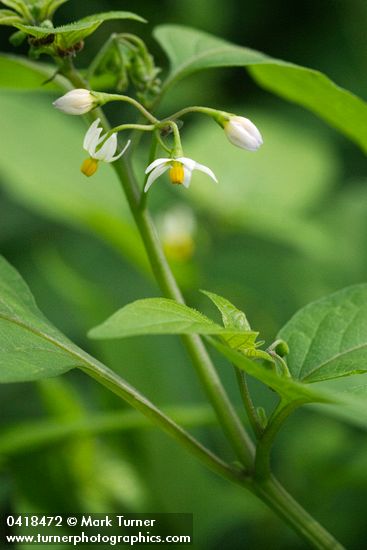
177,173
89,167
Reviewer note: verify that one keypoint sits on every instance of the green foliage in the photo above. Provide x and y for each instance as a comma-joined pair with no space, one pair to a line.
122,61
190,51
48,8
8,17
30,347
67,36
34,21
30,75
346,402
236,320
289,389
264,203
21,7
231,316
328,338
33,10
162,316
158,316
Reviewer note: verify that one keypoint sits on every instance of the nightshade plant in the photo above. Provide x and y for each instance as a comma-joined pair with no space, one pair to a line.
325,340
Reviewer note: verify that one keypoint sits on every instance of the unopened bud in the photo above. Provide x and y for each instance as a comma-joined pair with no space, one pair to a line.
76,102
242,132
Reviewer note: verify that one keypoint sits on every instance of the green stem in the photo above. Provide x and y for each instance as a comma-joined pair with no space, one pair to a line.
127,99
161,143
227,416
214,113
247,401
94,64
139,127
268,490
265,443
199,356
117,385
177,150
278,499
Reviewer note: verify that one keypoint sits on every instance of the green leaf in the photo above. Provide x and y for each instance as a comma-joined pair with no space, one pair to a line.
49,7
190,51
109,15
30,346
19,6
328,338
8,17
52,184
235,319
67,36
18,72
284,386
157,316
232,317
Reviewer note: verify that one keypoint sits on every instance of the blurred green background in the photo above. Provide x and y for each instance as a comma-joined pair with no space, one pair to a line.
284,226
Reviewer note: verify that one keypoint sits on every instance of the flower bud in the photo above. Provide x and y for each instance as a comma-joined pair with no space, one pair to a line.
243,133
76,102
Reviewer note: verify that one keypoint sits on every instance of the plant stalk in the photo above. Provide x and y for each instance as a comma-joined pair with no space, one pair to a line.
117,385
247,402
230,422
267,488
265,443
283,504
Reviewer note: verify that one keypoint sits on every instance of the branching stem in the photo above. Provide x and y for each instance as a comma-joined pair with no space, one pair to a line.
248,403
261,483
265,443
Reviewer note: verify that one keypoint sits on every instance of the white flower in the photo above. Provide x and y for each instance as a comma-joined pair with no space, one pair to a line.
99,148
242,132
180,170
76,102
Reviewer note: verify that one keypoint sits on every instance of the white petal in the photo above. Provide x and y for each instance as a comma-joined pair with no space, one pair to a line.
156,163
188,163
187,178
158,171
191,165
206,170
241,138
248,126
120,154
107,150
92,137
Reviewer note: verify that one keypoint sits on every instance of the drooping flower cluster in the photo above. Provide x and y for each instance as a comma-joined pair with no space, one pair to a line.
240,131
